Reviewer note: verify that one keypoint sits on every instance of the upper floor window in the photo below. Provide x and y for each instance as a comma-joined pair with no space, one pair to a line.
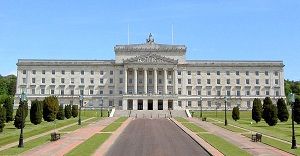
208,81
33,71
63,72
24,71
52,80
208,72
276,73
198,81
53,72
189,72
121,72
62,80
179,81
178,72
218,81
227,72
111,72
72,72
266,73
43,71
257,81
189,81
257,73
237,72
82,72
228,81
276,81
237,81
218,72
198,73
33,80
92,72
101,72
247,73
247,81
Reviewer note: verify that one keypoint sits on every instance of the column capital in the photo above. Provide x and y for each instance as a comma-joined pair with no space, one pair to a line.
135,68
145,68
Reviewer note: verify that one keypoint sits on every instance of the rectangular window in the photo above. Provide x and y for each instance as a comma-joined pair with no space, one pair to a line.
228,81
111,92
218,73
101,92
92,81
277,93
208,73
150,81
111,72
111,80
218,81
63,72
92,72
276,73
208,92
121,80
208,81
218,93
238,93
237,73
52,80
120,103
72,91
267,81
72,72
82,72
190,103
247,81
198,81
62,80
237,81
91,91
227,72
247,73
266,73
179,81
257,92
189,81
82,80
189,92
276,81
120,92
42,90
130,81
209,103
33,80
179,92
72,80
267,92
178,72
189,72
24,71
52,91
247,92
81,91
257,73
33,91
43,72
34,72
43,80
53,72
179,103
24,80
101,81
159,81
257,81
199,92
228,92
198,73
101,72
62,92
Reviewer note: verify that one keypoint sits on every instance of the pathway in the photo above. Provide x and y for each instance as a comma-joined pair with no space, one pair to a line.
70,141
254,148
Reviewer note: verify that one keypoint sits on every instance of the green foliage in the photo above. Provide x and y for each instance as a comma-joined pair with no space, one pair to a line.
235,113
50,108
297,111
36,112
8,104
256,110
74,111
8,85
269,112
61,113
292,87
21,115
283,114
2,118
68,111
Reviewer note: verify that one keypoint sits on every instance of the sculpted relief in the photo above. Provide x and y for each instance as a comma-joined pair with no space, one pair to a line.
150,59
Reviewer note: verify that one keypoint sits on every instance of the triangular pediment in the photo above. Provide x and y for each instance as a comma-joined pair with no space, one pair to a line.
151,58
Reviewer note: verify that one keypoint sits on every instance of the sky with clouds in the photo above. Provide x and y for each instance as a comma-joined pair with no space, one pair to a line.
218,30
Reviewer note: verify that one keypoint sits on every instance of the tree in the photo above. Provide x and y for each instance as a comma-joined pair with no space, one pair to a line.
20,115
50,108
297,111
74,111
2,118
269,112
236,113
256,110
36,112
283,114
68,111
61,113
8,104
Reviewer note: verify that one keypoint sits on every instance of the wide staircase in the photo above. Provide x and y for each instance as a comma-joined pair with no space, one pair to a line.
150,113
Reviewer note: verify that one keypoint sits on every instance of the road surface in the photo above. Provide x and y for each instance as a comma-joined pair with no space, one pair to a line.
154,137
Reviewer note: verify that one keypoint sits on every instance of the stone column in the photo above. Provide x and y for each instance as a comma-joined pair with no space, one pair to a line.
155,81
135,80
125,81
155,103
135,104
145,81
125,104
175,91
165,81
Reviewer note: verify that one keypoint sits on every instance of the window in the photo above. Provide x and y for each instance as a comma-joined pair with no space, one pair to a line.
277,93
120,92
179,103
91,91
209,103
237,73
101,92
208,81
208,72
169,73
82,72
140,81
257,92
198,81
32,90
72,91
267,92
130,81
111,80
179,81
72,72
62,80
43,80
199,92
179,92
92,81
42,90
52,80
189,92
237,81
52,91
24,80
169,82
101,72
199,103
198,73
189,81
276,73
208,92
190,103
238,93
189,72
159,73
178,72
82,80
121,72
150,72
92,72
24,71
276,81
53,72
247,81
247,73
159,81
34,72
111,92
121,80
81,91
218,81
228,92
228,81
150,81
120,103
218,73
72,80
257,81
256,73
267,81
266,73
33,80
111,72
63,72
101,81
62,92
247,92
227,72
43,71
218,93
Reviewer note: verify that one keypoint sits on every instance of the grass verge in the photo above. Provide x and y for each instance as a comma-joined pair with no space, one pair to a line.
193,127
180,119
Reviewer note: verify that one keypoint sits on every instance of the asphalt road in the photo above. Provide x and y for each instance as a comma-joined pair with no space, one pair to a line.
154,137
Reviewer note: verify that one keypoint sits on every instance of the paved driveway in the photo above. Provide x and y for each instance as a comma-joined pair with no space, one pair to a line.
154,137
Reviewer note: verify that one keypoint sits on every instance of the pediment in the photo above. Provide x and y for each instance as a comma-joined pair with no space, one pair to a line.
151,58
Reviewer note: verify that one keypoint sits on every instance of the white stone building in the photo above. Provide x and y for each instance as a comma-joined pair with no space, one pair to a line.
151,76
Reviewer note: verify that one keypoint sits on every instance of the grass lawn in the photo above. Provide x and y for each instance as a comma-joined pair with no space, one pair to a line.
180,119
222,145
89,146
277,144
94,113
75,127
121,119
112,127
193,127
231,128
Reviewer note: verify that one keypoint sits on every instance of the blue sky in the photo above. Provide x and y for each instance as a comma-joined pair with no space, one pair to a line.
222,30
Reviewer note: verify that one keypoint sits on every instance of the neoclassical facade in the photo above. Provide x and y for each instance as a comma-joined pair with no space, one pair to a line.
151,76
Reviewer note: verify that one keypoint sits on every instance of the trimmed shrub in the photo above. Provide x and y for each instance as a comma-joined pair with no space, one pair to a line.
61,113
283,114
2,118
74,111
21,115
68,111
50,108
236,113
36,112
256,110
8,104
269,112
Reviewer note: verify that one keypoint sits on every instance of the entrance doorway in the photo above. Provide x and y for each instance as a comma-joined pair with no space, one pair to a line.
170,104
150,104
160,105
140,104
129,104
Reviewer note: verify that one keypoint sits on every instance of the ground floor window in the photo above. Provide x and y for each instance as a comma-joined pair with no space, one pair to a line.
190,103
110,103
179,104
120,102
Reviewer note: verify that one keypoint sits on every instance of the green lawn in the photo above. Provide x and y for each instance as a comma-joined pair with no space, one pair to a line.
193,127
94,113
231,128
222,145
112,127
88,147
121,119
180,119
83,124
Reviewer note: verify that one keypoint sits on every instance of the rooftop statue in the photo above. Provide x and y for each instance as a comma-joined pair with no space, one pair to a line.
150,39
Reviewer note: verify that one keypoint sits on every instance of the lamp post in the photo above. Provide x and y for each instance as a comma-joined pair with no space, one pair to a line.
80,103
22,99
101,106
201,107
291,98
225,98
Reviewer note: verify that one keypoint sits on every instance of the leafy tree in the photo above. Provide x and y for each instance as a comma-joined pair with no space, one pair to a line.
68,111
61,113
269,112
297,111
50,108
256,110
283,114
8,104
8,85
235,113
20,115
36,112
74,111
2,118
